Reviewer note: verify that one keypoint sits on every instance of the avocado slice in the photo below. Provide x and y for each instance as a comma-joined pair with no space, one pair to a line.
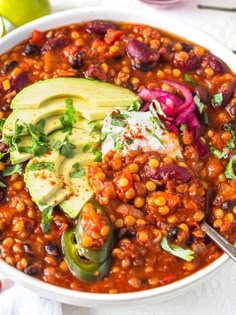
54,107
81,191
96,93
44,183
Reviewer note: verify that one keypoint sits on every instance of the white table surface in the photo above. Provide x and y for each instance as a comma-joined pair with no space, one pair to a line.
216,295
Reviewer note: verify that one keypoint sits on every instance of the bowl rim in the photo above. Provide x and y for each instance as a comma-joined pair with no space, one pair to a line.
163,22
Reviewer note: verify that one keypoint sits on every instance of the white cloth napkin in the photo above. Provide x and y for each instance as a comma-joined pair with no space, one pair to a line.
16,300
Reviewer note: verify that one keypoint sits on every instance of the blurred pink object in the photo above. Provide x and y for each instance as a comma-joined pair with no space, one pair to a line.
161,3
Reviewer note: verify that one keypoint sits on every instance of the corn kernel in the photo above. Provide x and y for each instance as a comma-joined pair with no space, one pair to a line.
160,201
151,186
6,85
123,182
153,163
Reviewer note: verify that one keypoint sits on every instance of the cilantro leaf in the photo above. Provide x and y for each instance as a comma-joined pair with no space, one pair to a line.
118,144
217,153
78,172
229,169
118,122
97,155
46,216
198,103
41,166
96,127
9,170
2,121
2,185
134,107
69,116
87,147
217,100
188,78
185,254
40,141
65,147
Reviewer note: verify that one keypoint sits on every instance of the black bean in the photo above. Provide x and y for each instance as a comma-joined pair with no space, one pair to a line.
52,249
20,81
228,205
2,195
171,171
28,249
127,233
186,47
9,66
30,50
202,93
99,26
78,60
29,227
227,89
142,56
185,65
54,43
32,270
173,232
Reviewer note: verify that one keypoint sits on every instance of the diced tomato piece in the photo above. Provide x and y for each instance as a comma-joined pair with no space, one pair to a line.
37,37
112,35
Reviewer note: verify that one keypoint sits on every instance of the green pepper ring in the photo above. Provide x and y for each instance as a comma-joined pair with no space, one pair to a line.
85,270
98,255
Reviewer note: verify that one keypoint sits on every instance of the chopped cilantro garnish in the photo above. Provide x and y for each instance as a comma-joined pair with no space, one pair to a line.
118,144
121,116
198,103
188,78
46,217
134,107
185,254
129,141
65,147
41,166
69,116
2,121
97,155
9,170
87,147
77,172
205,119
229,170
103,136
217,99
231,144
118,122
158,108
96,127
183,127
217,153
155,119
2,185
40,141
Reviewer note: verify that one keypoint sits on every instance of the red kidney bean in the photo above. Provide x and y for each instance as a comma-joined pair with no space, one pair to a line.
202,93
96,72
20,81
227,89
172,171
191,63
216,64
3,147
143,57
54,43
99,26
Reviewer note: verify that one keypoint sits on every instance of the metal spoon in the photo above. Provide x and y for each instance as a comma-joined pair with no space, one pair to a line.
219,240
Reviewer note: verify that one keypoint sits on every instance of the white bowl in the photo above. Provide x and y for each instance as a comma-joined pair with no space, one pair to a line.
163,22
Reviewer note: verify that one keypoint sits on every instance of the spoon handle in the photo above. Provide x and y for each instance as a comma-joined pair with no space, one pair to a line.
225,245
